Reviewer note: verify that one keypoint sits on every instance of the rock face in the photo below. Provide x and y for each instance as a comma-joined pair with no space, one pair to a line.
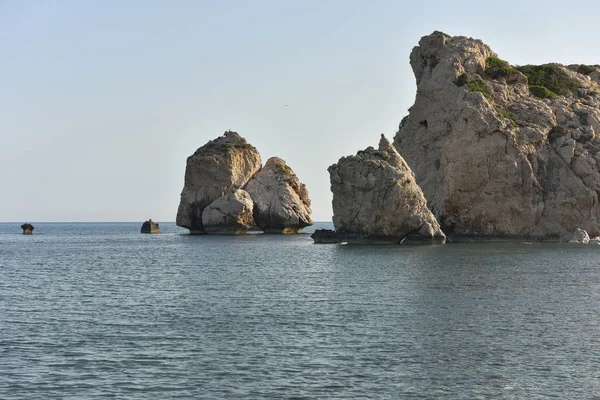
376,199
281,202
501,151
27,229
218,168
229,215
150,227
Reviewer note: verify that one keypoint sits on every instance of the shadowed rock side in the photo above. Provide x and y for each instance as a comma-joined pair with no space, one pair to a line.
219,167
281,202
150,227
229,215
27,229
503,151
376,199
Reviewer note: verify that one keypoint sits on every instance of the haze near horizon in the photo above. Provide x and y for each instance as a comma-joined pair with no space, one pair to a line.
101,104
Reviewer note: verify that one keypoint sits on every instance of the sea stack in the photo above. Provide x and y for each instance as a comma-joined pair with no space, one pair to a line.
377,200
27,229
502,151
281,202
150,227
226,191
218,168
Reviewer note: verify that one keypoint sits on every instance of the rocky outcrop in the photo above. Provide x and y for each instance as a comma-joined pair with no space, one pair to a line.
377,200
218,168
150,227
503,151
325,236
281,202
229,215
273,198
580,236
27,229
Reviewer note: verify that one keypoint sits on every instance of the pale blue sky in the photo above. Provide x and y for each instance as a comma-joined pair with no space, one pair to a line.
101,102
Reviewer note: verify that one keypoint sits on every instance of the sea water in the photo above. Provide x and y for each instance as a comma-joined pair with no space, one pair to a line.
102,311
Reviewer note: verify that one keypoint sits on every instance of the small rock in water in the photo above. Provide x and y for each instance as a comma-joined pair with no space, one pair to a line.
150,227
27,229
580,236
325,236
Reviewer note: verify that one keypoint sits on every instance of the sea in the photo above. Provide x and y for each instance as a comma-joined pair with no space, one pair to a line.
100,311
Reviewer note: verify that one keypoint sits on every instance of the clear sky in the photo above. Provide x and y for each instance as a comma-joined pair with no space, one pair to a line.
101,102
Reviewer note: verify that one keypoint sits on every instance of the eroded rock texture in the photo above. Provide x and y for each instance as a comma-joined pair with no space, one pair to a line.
218,168
502,151
281,202
376,199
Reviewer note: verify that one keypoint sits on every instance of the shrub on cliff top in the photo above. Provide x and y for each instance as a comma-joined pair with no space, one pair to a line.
551,77
498,68
586,69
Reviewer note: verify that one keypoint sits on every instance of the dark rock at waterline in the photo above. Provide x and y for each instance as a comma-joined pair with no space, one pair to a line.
150,227
325,236
27,229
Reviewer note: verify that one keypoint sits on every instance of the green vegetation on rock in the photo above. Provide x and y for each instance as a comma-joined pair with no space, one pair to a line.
441,33
498,68
541,92
504,113
586,69
551,77
475,83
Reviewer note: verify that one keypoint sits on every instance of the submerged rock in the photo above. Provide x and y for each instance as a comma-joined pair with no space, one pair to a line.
281,202
150,227
503,151
377,200
229,215
216,169
27,229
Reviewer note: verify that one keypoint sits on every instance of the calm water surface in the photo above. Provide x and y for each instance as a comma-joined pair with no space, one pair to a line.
101,311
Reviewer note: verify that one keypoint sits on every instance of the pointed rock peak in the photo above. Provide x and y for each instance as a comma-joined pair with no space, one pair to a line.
384,144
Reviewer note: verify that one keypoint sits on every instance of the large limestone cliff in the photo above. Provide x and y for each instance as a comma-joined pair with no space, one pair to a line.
216,169
376,199
281,203
501,151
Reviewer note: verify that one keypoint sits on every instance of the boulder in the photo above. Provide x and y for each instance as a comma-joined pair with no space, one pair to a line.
325,236
216,169
281,202
496,153
580,236
229,215
150,227
27,229
377,200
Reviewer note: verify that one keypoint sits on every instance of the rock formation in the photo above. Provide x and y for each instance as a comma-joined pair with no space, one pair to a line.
281,203
229,215
27,229
503,151
376,199
325,236
212,202
150,227
580,236
219,167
